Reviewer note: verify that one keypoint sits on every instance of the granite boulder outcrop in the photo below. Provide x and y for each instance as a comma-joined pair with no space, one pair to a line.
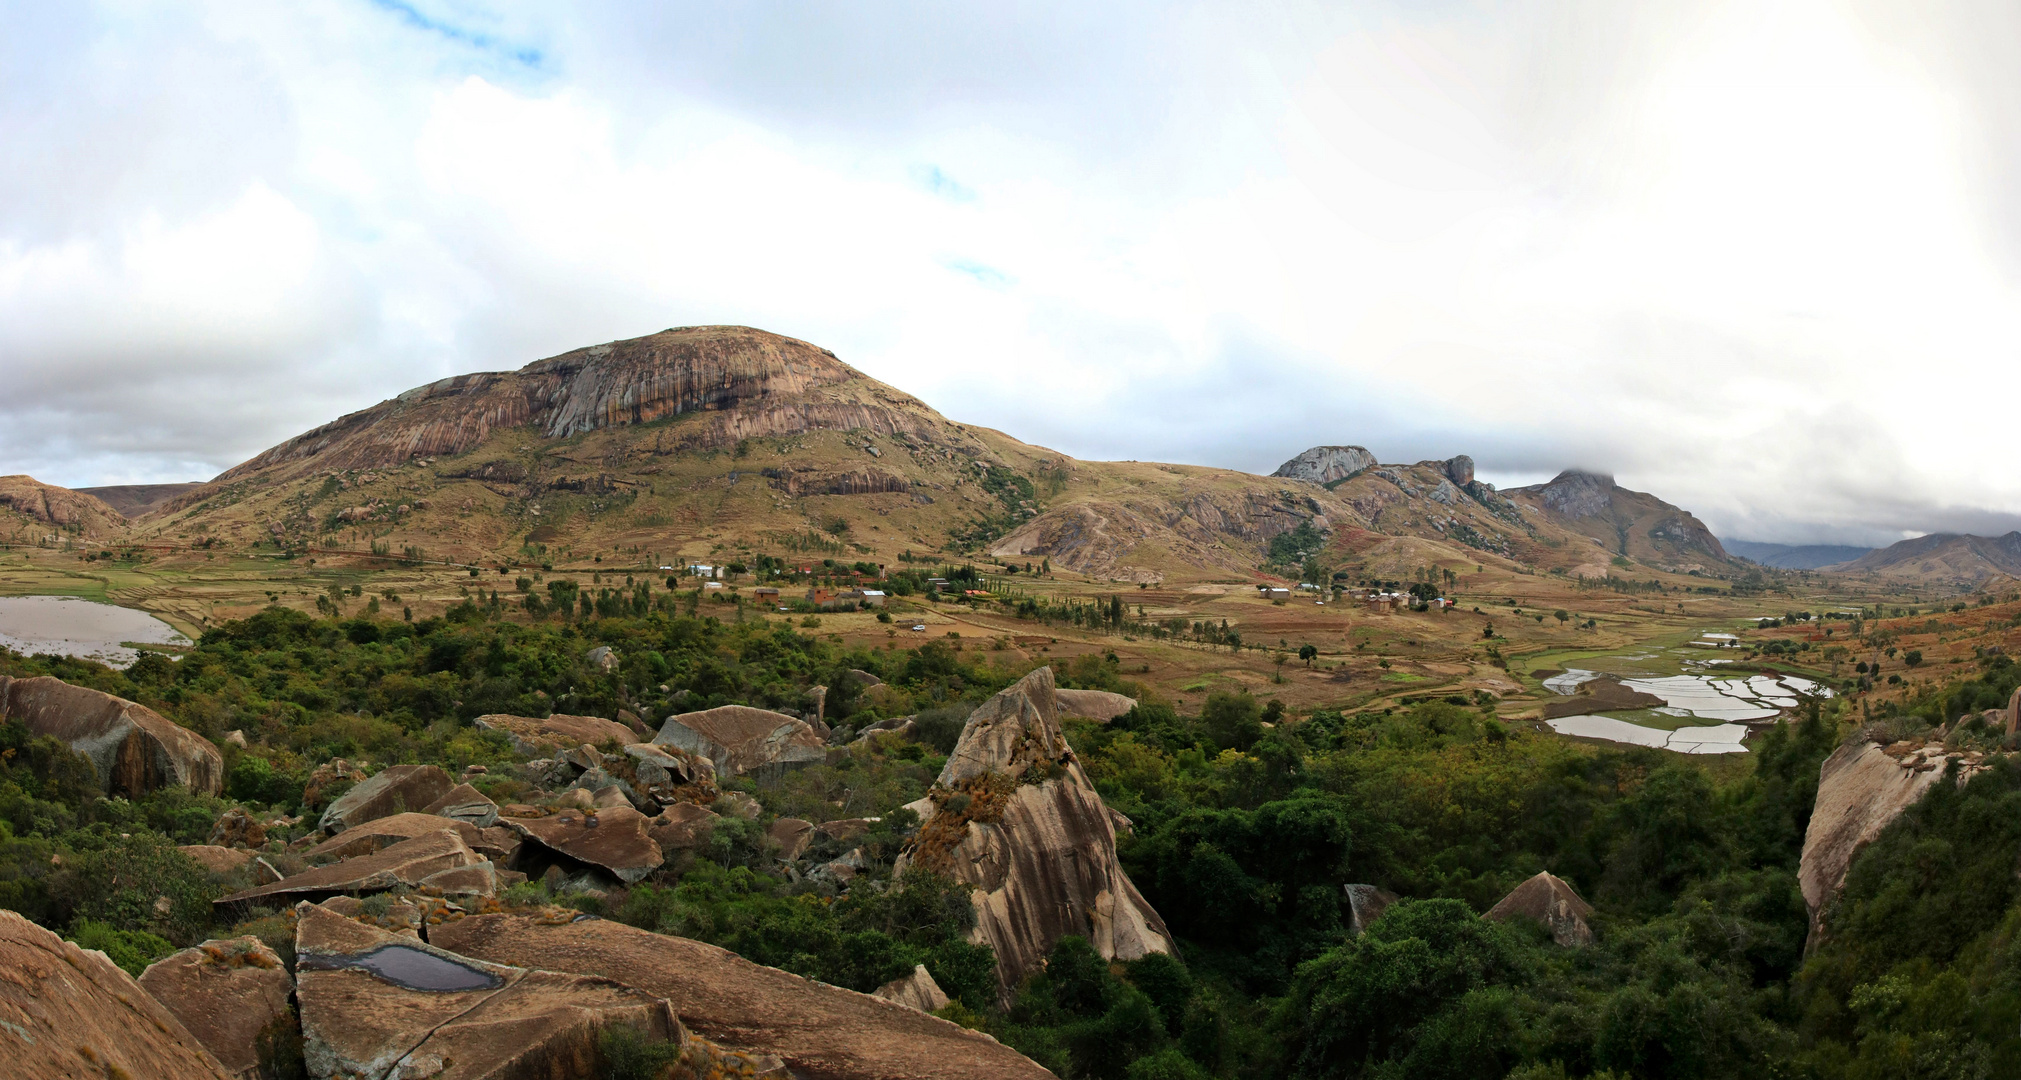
134,748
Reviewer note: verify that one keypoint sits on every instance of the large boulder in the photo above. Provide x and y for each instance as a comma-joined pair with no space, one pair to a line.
231,995
217,860
740,739
819,1030
914,991
683,827
408,862
1861,788
542,736
1365,904
382,833
1013,815
1547,899
135,749
792,835
1094,704
466,804
2014,711
395,789
614,838
70,1012
1326,464
376,1003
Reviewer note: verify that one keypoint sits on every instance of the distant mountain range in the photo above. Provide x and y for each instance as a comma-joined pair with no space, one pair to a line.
1944,558
1795,556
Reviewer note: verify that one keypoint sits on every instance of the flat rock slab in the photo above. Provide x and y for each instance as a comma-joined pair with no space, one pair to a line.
614,838
381,833
135,748
538,736
466,804
739,739
408,862
819,1030
381,1004
69,1012
395,789
229,994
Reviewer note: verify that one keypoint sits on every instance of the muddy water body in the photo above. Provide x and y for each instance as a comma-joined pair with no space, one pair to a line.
1713,708
407,967
69,626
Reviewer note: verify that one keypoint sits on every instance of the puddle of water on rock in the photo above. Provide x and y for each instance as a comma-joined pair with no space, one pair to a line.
71,626
407,967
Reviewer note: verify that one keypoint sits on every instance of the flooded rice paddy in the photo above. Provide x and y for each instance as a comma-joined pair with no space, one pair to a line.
1703,712
70,626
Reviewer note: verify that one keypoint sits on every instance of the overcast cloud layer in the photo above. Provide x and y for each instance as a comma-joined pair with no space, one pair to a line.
1758,258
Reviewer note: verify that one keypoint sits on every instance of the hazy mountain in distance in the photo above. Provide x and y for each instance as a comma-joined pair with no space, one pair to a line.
1795,556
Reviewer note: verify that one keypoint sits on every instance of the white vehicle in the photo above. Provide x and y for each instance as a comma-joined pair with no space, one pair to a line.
919,628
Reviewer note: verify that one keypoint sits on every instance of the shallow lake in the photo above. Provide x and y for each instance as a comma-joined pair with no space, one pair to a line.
70,626
1726,701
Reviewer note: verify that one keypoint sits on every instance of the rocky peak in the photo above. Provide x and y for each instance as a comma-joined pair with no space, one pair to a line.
1014,817
1325,464
58,506
1579,494
773,383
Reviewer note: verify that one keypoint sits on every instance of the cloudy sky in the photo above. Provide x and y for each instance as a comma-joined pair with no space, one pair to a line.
1759,258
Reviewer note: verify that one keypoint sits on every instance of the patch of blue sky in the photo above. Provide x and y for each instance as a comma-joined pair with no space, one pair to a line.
981,272
947,187
415,17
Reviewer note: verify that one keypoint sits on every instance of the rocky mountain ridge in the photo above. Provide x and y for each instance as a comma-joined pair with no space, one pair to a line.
1943,558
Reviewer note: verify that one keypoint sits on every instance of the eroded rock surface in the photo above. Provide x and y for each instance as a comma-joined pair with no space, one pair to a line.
134,748
1014,816
1861,788
408,862
819,1030
395,789
231,995
1548,899
70,1012
739,739
682,826
1325,464
537,736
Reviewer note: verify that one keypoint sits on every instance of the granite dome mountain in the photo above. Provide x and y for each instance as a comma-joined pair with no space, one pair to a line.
678,442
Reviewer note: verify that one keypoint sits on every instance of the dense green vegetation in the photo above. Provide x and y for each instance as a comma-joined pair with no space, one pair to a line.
1243,836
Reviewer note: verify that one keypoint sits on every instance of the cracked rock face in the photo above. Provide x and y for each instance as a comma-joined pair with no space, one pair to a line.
68,1012
465,804
134,748
375,1004
1861,788
229,995
1094,704
1042,858
408,862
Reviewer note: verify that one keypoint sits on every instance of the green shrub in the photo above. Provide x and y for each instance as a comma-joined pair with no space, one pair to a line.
132,950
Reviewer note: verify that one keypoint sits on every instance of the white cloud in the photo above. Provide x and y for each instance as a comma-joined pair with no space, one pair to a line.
1751,257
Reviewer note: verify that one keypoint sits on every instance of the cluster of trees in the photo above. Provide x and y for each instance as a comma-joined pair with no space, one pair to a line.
1247,823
